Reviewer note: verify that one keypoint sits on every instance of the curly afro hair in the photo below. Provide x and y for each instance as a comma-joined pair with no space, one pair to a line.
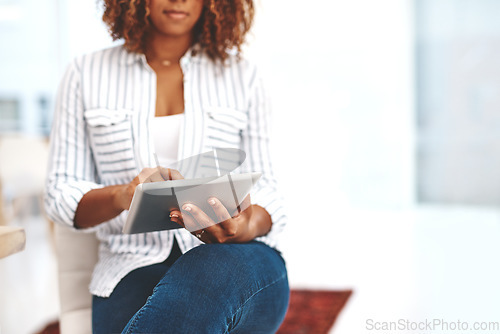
223,24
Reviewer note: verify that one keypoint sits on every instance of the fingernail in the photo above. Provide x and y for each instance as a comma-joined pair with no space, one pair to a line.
211,201
174,215
187,208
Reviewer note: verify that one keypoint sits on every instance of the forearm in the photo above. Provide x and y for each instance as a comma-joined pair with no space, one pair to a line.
98,206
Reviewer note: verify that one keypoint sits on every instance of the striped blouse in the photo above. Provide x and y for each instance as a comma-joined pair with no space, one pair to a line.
101,136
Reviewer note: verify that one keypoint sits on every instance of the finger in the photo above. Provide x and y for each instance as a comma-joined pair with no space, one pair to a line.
203,236
229,225
201,219
214,234
189,222
145,174
245,204
156,176
219,209
171,174
176,217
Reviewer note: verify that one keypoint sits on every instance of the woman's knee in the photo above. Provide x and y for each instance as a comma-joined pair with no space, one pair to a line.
225,271
211,284
221,264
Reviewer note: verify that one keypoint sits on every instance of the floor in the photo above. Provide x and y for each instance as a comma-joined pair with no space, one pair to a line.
415,265
429,263
28,282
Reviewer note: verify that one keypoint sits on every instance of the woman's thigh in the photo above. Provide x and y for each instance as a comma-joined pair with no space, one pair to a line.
110,315
218,288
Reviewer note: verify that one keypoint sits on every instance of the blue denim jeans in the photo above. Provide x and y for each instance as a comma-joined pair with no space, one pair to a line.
213,288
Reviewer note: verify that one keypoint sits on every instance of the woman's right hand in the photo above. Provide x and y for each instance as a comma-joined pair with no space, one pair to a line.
126,192
102,204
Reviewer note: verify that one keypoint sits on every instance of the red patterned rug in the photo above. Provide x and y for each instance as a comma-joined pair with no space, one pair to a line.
313,311
309,312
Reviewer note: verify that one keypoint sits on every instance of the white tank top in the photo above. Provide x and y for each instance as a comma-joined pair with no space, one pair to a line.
166,130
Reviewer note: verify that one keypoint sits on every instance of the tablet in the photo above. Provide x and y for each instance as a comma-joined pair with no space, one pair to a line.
152,202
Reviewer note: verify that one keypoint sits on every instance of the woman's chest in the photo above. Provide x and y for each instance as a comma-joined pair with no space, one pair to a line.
119,122
169,92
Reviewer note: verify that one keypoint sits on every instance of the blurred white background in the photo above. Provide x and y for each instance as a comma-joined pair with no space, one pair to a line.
386,146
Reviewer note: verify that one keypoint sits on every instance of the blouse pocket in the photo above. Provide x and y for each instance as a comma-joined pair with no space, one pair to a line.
110,134
225,126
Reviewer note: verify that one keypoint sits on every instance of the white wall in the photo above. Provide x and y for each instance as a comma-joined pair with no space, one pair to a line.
459,97
341,78
341,75
28,57
82,29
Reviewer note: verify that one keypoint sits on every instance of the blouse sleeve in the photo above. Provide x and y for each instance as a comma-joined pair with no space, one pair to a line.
255,140
71,170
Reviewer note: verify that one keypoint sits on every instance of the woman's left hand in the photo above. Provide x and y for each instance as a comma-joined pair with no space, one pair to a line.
234,229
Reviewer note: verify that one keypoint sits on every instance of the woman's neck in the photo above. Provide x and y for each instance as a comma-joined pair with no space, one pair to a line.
167,49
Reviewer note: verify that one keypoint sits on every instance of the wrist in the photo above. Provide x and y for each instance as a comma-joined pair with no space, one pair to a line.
99,205
260,222
119,197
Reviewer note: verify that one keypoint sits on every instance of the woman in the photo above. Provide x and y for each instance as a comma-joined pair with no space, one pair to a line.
177,87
